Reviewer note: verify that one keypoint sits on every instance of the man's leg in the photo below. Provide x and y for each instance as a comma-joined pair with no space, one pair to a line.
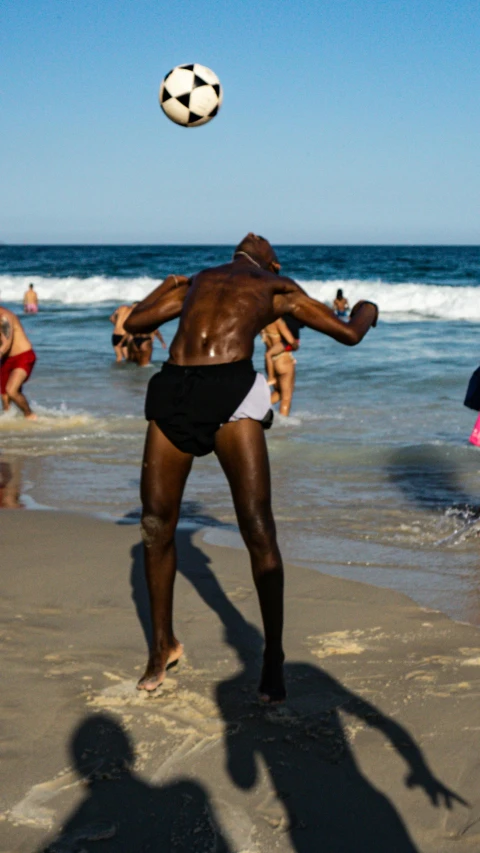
242,452
5,402
14,385
164,473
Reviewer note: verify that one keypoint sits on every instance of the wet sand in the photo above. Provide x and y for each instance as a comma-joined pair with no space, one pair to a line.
378,736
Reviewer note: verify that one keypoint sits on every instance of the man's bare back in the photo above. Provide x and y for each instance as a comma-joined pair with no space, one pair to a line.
14,338
30,301
208,397
223,309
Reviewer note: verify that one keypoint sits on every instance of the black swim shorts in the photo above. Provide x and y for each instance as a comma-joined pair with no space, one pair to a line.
189,404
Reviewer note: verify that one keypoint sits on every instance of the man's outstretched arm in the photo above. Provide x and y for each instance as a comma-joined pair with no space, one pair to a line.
162,304
318,316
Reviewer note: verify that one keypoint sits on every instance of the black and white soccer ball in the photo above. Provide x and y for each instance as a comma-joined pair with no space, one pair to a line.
190,95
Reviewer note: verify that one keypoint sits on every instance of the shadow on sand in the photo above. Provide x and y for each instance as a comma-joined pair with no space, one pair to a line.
122,811
319,794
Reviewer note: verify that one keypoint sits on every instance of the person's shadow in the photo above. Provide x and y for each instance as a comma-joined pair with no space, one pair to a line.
327,802
123,812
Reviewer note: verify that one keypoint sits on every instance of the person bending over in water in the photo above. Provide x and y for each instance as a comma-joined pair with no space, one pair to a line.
17,360
140,348
30,301
340,304
208,397
120,337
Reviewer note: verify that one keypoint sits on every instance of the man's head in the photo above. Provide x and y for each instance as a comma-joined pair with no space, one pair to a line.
31,286
260,251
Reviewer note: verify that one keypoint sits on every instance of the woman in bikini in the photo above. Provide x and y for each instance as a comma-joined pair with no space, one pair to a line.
140,348
280,362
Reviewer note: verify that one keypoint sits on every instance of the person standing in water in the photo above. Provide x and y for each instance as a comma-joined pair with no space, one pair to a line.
140,348
340,304
208,397
120,337
30,301
281,342
17,360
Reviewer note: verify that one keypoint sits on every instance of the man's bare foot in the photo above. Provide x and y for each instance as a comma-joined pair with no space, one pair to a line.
157,666
31,417
272,685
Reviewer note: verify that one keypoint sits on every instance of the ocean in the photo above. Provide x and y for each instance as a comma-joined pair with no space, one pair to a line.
373,476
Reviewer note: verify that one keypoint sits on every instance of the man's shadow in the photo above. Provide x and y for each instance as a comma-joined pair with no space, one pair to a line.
122,811
328,802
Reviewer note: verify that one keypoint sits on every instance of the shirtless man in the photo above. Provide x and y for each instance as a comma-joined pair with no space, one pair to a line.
120,337
17,359
208,397
30,301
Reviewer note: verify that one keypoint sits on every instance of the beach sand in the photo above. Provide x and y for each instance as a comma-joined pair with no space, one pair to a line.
380,723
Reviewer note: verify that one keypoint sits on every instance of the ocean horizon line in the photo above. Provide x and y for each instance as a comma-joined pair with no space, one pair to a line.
367,245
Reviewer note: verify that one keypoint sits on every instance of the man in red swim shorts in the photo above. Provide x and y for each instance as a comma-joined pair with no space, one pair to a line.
17,359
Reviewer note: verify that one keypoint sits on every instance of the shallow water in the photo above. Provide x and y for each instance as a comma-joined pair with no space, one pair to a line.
372,474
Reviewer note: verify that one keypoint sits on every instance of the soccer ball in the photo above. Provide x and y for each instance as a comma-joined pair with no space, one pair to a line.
190,95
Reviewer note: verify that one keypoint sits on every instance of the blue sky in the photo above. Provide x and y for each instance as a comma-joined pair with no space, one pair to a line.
347,121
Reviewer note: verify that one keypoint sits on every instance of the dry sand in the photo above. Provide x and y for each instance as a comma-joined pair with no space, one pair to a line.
381,723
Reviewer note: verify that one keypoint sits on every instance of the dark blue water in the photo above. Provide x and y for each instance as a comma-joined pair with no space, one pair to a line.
448,265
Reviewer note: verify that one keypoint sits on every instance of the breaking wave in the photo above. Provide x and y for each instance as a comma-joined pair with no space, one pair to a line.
398,302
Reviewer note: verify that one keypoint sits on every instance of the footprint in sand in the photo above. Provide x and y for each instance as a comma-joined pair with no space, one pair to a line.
472,656
34,809
336,643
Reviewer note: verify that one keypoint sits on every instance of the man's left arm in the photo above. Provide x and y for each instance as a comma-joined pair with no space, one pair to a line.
162,304
318,316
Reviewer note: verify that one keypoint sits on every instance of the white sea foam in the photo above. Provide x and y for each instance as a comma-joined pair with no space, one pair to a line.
77,291
404,302
397,302
57,418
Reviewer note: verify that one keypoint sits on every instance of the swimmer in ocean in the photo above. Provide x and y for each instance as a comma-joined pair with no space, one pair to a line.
30,301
